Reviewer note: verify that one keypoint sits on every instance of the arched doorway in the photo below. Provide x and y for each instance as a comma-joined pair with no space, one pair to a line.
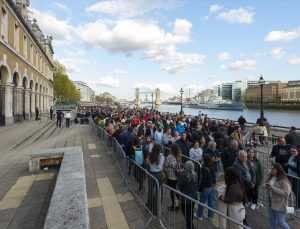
3,80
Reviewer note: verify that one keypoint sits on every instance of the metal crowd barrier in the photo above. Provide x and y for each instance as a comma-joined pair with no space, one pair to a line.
155,199
184,216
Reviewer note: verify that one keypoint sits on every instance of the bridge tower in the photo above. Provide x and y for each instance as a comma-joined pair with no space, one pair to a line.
137,100
157,97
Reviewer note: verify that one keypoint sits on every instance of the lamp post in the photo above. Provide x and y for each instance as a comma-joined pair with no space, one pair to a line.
152,99
261,83
181,92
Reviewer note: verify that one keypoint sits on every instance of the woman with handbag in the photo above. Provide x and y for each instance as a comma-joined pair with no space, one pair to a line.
234,197
278,189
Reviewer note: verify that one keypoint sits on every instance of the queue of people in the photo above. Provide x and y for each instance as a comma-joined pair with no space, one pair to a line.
218,146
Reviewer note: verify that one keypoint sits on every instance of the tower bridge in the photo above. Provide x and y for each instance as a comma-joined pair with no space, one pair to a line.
147,93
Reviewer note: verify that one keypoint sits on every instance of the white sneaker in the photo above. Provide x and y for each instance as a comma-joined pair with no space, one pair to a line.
253,206
197,217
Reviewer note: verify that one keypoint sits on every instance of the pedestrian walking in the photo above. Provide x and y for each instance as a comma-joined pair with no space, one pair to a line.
68,118
37,112
59,116
51,113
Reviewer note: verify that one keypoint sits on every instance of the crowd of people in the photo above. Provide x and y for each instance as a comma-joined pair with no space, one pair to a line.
220,148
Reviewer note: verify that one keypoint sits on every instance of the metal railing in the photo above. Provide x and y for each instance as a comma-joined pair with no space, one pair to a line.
148,190
183,217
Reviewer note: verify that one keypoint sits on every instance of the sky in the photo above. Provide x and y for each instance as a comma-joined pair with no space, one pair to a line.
117,45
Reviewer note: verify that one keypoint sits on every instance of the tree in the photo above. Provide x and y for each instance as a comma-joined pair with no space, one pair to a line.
64,90
105,98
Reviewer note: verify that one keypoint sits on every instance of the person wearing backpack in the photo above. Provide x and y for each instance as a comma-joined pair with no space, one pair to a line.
206,187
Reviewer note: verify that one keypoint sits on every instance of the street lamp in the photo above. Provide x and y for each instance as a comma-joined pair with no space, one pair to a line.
261,83
181,92
152,99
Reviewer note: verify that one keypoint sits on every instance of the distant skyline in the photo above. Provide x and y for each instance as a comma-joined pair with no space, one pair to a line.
117,45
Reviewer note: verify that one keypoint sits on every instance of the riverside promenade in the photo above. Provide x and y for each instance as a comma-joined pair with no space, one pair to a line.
25,197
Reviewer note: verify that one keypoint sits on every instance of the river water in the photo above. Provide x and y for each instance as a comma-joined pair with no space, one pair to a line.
275,117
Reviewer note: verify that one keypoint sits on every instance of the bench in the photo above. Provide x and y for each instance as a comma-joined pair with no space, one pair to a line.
68,207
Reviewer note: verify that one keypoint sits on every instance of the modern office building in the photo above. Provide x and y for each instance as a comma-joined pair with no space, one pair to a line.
226,91
238,89
86,93
26,64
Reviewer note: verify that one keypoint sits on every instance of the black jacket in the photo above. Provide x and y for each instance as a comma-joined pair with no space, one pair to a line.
293,138
228,156
188,188
184,146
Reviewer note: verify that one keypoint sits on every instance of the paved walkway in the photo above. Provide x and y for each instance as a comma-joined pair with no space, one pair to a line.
24,197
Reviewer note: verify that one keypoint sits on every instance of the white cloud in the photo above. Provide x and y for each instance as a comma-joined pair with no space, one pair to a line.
282,36
260,54
277,53
164,87
218,82
52,26
247,65
224,56
294,61
108,81
214,8
70,64
120,71
193,88
131,8
157,44
62,6
241,15
222,66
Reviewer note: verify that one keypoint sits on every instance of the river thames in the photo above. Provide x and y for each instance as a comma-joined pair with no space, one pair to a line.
275,117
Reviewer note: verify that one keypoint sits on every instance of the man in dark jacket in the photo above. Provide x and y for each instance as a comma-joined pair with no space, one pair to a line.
292,137
229,154
281,153
242,122
247,173
59,116
184,144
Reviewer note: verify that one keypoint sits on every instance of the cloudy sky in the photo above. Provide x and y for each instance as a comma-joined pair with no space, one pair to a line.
117,45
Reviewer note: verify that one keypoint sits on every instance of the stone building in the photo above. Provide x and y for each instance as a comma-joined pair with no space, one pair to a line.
26,64
291,93
271,93
86,93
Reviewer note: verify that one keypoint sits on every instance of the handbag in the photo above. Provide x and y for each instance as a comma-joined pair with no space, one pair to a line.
289,209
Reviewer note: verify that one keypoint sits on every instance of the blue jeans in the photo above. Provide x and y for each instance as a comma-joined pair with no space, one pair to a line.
277,217
207,195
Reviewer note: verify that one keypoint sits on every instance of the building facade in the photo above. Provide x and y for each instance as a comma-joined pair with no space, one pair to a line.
26,64
272,93
291,93
86,93
226,91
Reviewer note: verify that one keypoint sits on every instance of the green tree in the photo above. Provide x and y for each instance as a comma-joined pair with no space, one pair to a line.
64,90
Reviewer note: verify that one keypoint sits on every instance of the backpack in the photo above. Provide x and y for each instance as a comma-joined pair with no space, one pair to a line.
138,156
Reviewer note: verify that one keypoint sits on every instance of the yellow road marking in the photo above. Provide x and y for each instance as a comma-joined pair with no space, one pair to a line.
94,202
14,197
91,146
114,215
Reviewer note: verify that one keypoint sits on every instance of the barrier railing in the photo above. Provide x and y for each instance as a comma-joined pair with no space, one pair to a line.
152,195
184,216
